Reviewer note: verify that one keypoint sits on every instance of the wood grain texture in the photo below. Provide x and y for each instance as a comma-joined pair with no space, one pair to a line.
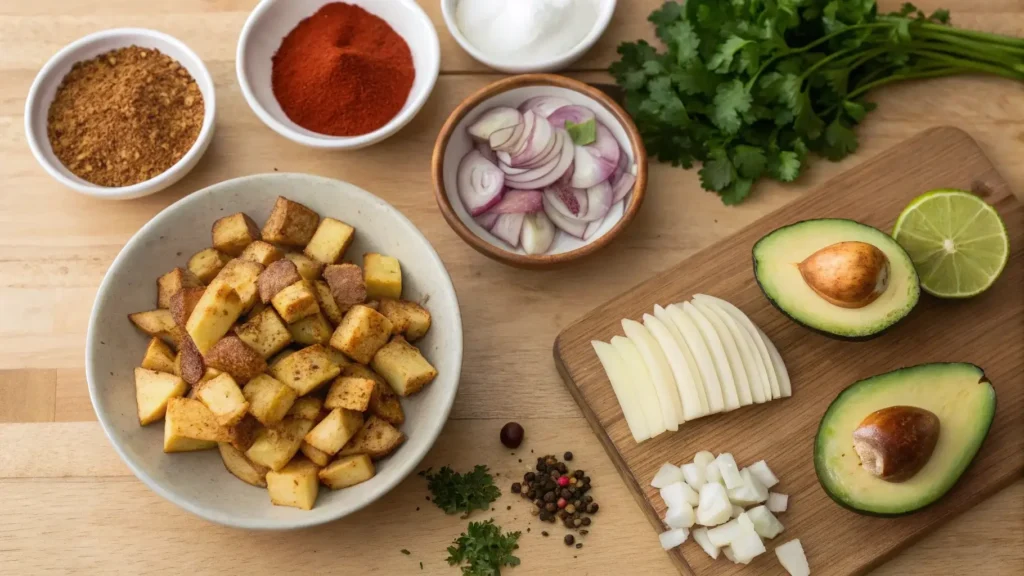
987,330
55,247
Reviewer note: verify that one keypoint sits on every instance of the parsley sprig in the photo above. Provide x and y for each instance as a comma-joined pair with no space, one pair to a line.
750,87
484,549
454,492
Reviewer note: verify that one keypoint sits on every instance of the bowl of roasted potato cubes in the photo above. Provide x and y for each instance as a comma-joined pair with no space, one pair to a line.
275,351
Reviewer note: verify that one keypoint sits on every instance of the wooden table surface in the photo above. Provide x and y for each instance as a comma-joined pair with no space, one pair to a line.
68,504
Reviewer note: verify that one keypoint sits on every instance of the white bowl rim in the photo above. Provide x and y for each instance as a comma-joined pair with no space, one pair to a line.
250,523
327,141
605,12
154,184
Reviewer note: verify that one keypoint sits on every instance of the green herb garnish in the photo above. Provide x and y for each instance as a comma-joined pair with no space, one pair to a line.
454,492
484,549
749,87
583,133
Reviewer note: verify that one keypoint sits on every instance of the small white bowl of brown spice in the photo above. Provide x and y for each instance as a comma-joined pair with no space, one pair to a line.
121,113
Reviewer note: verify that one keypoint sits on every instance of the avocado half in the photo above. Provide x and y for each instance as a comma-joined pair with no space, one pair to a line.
958,394
777,255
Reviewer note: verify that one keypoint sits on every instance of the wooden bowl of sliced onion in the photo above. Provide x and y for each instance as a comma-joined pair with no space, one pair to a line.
538,170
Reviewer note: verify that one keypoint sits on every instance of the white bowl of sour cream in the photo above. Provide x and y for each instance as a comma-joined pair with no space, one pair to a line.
520,36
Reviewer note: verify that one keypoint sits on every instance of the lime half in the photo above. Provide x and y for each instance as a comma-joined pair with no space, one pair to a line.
958,243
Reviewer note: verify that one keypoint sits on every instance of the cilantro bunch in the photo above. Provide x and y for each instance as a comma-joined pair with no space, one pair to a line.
484,549
454,492
750,87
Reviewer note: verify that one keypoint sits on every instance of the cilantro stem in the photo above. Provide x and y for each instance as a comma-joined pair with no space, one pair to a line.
973,44
985,36
1015,73
930,73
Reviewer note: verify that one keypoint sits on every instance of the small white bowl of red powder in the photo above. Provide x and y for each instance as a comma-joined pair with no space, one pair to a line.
337,75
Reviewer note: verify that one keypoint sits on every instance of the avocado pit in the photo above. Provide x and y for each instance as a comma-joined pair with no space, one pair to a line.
847,274
894,443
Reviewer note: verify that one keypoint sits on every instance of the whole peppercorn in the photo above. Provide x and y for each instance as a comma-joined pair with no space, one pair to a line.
529,476
567,456
517,487
562,503
588,499
531,494
549,497
550,507
569,540
577,522
563,481
512,435
538,503
562,467
565,494
578,474
579,545
586,479
567,522
592,509
586,521
570,508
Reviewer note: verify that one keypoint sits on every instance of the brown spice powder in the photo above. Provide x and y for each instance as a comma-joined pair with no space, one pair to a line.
125,116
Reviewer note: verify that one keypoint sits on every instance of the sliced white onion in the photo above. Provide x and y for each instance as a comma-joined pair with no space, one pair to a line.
508,228
574,114
480,183
543,105
493,120
564,162
519,202
622,185
487,220
570,227
542,138
538,232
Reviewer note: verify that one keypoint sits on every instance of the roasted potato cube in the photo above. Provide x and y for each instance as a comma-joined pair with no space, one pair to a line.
242,276
277,277
224,398
408,318
206,264
262,253
189,425
243,434
326,301
290,223
361,333
306,370
269,399
184,302
350,393
403,366
281,356
213,316
231,234
171,283
329,242
245,470
384,402
347,471
372,305
377,438
308,268
295,302
346,284
152,392
257,307
157,323
313,329
318,456
265,333
296,485
158,356
274,447
191,366
230,354
308,407
383,277
335,430
338,358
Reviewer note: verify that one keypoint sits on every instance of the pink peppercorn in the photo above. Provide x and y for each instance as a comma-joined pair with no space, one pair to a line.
563,481
562,502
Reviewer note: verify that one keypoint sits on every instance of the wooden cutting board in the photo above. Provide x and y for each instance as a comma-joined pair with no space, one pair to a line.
987,330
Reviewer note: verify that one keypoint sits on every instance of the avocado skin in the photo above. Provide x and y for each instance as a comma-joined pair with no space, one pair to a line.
819,465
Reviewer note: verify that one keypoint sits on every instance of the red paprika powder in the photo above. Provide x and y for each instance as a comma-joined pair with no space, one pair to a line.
342,72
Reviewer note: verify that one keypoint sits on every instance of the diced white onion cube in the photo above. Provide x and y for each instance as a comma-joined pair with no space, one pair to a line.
763,473
764,522
674,495
714,507
672,538
694,475
703,458
700,536
667,474
746,546
749,492
724,535
736,511
681,517
791,556
711,474
730,473
777,502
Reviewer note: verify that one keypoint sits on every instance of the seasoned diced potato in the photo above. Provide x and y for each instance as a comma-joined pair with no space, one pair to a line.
277,277
313,329
224,398
308,268
347,471
152,392
269,399
231,234
171,283
265,333
290,223
402,365
361,333
184,302
213,316
362,371
384,402
377,438
295,302
408,318
320,457
158,323
308,407
274,447
210,374
206,264
296,485
191,365
281,356
189,425
262,253
383,277
245,470
335,430
329,242
350,393
243,434
372,305
346,284
241,275
337,357
306,370
232,355
326,301
158,356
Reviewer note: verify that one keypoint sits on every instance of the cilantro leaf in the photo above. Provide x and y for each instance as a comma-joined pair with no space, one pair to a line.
736,192
731,100
750,161
484,549
717,172
454,492
583,133
722,59
786,166
684,41
840,140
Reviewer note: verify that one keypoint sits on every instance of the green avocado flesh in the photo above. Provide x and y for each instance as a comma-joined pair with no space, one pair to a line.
777,255
958,394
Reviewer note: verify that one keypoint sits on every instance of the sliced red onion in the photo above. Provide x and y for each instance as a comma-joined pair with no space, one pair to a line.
484,148
592,229
571,227
487,219
552,152
493,120
590,169
500,137
571,202
574,114
565,160
599,202
521,137
519,202
534,173
622,185
510,170
543,105
508,227
541,140
538,233
480,183
606,145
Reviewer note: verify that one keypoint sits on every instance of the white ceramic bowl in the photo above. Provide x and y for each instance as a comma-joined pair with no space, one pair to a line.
198,482
44,89
513,63
272,20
